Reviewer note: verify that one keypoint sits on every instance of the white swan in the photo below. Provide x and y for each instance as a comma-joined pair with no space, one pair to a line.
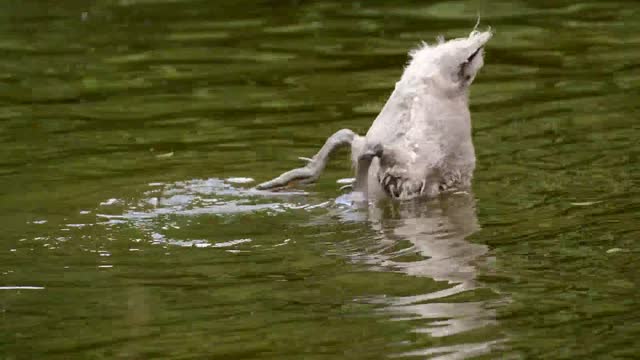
420,144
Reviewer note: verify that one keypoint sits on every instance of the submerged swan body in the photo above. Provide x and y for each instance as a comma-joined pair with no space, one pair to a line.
420,144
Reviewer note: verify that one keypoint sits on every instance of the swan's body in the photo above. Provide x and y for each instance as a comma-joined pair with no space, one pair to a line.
420,144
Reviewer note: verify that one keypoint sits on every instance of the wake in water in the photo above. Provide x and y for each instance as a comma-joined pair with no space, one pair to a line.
167,207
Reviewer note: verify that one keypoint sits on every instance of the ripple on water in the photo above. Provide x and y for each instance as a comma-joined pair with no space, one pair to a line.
166,208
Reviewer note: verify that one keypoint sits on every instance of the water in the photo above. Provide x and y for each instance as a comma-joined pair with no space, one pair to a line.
125,235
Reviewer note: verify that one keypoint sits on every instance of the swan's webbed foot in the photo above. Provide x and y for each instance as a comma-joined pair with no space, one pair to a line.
312,170
301,175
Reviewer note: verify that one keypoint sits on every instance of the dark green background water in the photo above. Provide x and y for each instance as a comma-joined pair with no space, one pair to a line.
121,123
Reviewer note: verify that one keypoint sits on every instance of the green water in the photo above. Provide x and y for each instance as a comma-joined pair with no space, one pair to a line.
125,236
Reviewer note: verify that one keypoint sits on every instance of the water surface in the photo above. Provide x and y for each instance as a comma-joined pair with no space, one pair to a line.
130,230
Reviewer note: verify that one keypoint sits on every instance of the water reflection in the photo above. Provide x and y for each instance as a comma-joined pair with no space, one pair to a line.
437,232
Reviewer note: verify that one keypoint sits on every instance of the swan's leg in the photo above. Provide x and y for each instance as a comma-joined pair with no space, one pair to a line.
363,161
310,172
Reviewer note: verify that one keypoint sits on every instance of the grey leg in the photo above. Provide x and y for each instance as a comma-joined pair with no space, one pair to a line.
362,167
315,165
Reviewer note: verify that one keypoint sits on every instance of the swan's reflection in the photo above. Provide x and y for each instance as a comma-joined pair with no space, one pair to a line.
438,232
